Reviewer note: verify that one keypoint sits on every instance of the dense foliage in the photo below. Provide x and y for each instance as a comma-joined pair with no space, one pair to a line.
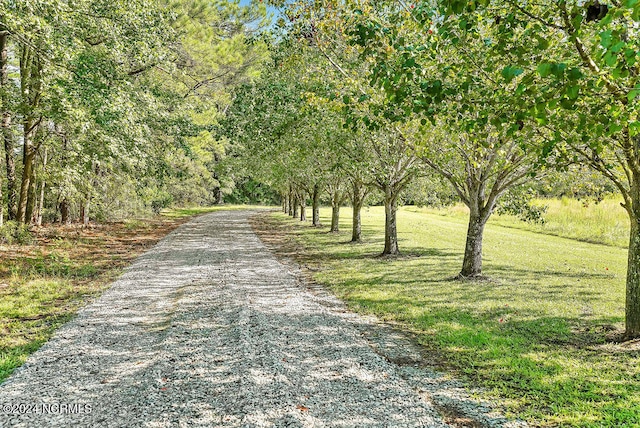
108,107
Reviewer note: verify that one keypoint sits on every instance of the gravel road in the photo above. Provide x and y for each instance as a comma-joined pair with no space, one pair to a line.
209,329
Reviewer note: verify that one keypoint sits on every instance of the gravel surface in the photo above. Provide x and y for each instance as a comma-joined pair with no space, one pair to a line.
209,329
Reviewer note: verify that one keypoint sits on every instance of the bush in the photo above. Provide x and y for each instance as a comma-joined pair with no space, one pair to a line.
517,202
13,232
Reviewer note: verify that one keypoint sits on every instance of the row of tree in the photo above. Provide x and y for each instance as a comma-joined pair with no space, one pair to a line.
108,106
486,95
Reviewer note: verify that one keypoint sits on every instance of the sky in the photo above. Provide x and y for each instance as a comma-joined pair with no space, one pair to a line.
246,2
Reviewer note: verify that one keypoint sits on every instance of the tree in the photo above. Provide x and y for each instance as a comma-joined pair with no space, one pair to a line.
581,83
456,78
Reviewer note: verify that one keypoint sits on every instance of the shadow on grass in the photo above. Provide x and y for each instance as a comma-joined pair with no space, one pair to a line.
509,334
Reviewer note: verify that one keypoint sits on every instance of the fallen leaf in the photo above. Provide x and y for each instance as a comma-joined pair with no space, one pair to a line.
302,408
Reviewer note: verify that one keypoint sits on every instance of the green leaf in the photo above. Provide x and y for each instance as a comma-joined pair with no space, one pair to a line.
544,69
510,72
558,69
618,47
610,59
605,39
543,43
574,74
573,92
567,103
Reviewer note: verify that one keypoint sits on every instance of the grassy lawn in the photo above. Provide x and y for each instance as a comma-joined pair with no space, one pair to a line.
602,223
42,285
536,335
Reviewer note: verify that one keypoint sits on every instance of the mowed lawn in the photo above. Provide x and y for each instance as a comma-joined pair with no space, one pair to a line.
537,334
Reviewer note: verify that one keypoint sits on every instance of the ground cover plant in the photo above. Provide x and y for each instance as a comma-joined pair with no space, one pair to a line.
539,332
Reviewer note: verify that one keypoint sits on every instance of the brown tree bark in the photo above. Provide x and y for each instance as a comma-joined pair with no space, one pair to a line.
472,263
65,217
217,196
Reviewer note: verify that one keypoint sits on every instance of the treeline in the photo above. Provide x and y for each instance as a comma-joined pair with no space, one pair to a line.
108,106
489,97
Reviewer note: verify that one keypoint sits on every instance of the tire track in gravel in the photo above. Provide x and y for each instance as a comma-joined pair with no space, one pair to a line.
208,329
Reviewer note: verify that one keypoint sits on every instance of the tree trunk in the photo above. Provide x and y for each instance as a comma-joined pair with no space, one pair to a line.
303,208
64,212
316,206
7,135
356,229
12,194
357,200
43,184
41,203
472,264
27,173
217,196
390,224
294,213
85,213
30,91
632,302
290,201
335,212
284,202
31,197
335,218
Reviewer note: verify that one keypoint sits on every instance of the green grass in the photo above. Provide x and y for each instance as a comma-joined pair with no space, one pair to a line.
534,335
188,212
29,314
602,223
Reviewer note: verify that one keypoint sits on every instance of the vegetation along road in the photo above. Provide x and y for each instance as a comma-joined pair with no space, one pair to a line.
516,124
209,329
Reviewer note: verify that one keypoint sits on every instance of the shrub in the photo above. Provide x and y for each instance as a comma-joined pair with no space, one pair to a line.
13,232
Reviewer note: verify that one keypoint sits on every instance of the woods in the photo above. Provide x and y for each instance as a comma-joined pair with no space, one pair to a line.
108,108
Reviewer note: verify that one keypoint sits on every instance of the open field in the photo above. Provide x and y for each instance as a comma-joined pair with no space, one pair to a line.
538,333
42,285
603,223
